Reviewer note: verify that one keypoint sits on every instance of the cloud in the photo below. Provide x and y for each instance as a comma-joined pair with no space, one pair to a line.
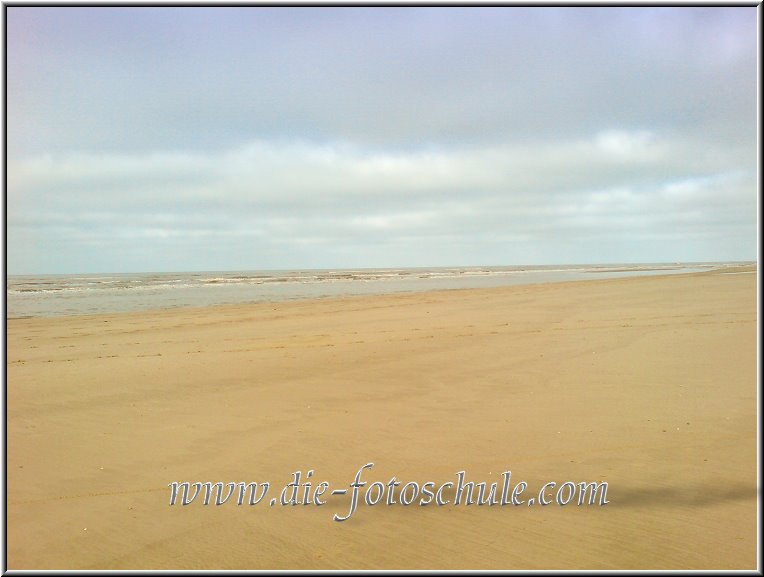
200,138
126,79
286,195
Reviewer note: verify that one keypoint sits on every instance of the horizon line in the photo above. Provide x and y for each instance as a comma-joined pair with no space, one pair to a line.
466,266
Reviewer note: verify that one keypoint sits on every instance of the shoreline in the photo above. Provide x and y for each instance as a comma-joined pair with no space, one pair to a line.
647,383
743,268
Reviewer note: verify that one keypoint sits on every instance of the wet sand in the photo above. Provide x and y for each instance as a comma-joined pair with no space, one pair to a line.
648,384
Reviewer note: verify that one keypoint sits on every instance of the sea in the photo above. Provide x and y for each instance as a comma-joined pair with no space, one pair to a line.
83,294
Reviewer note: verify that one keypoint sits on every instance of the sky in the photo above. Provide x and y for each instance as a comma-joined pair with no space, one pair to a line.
243,138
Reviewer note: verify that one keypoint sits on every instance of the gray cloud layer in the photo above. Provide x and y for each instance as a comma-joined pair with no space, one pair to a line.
241,138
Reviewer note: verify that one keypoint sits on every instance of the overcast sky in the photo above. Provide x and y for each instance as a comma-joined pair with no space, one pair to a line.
175,139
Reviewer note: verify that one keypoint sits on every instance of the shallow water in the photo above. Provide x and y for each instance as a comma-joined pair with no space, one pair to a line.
56,295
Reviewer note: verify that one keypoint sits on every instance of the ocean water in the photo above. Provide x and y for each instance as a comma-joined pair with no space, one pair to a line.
56,295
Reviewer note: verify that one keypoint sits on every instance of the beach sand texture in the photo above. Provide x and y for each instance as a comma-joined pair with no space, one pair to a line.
647,383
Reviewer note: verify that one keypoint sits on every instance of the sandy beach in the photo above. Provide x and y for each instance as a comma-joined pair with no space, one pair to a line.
646,383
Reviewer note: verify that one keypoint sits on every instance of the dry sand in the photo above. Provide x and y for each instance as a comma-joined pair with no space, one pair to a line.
647,383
